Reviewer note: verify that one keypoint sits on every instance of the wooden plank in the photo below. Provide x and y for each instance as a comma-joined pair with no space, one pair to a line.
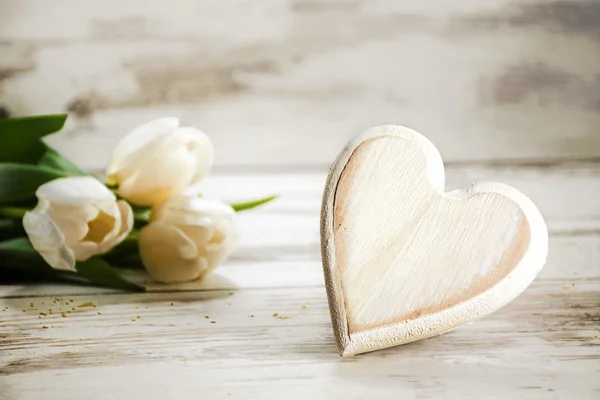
576,257
501,79
565,193
269,343
279,244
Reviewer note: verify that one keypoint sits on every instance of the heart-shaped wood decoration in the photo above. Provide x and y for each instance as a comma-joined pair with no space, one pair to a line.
403,259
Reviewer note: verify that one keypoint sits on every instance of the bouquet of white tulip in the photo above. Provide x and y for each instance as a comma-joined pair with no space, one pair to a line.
58,222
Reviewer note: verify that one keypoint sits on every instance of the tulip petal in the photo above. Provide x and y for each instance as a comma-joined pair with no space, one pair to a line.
85,250
216,252
100,227
75,191
209,224
200,145
72,221
169,255
121,229
135,145
106,225
47,239
126,220
199,234
101,233
160,177
125,226
191,210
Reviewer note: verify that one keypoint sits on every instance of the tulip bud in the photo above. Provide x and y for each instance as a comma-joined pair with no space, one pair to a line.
158,160
186,238
75,219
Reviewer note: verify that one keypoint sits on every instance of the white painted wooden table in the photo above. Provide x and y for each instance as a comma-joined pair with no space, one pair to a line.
506,89
260,327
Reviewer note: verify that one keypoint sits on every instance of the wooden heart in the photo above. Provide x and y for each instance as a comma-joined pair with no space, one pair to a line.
403,260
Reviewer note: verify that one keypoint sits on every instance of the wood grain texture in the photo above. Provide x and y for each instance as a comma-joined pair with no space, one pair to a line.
541,346
278,86
403,259
279,243
499,79
544,345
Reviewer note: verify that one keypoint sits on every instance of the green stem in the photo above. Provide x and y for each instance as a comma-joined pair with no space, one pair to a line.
247,205
13,212
111,185
127,247
133,237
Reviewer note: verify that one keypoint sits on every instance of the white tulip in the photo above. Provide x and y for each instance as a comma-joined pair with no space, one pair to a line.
186,238
158,160
75,219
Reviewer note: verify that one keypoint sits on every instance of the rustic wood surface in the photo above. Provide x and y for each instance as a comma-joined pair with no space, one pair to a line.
406,260
272,334
512,78
508,90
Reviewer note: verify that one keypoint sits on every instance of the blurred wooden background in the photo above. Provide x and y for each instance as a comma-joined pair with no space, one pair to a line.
286,82
508,90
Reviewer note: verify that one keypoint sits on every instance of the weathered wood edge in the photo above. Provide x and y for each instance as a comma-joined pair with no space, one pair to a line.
434,324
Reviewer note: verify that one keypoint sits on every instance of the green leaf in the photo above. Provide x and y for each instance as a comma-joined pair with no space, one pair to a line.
11,228
125,249
141,213
22,248
247,205
20,138
20,181
54,160
6,224
99,271
13,212
20,262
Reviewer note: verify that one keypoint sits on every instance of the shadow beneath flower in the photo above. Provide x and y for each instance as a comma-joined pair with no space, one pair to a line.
212,282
